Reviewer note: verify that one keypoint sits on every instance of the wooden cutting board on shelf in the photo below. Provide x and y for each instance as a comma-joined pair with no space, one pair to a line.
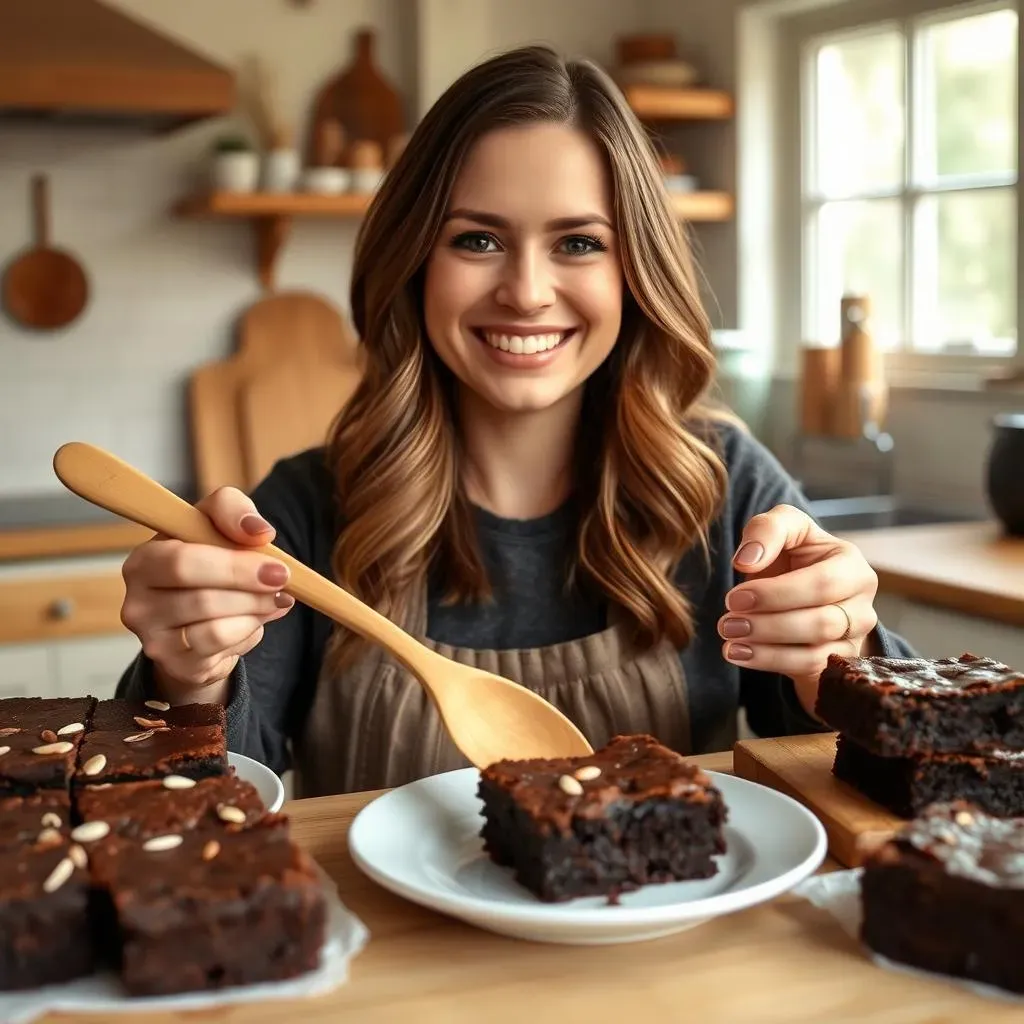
361,99
296,365
801,767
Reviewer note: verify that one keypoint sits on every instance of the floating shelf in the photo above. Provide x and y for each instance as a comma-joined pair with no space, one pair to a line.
272,214
661,103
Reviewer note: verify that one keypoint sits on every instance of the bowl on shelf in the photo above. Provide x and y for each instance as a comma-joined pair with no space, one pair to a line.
1005,471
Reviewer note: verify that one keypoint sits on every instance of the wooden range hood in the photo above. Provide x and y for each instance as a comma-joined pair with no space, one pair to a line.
84,60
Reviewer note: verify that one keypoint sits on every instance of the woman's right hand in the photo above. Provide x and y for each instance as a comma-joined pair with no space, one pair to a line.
197,608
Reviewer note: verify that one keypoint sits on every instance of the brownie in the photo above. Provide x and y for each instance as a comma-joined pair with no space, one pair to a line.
141,810
627,815
39,739
946,894
23,819
45,934
907,785
193,751
252,912
900,707
129,716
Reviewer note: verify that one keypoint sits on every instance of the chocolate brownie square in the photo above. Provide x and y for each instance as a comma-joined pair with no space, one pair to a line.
193,751
129,716
45,934
141,810
946,894
627,815
901,707
26,819
39,739
247,906
907,785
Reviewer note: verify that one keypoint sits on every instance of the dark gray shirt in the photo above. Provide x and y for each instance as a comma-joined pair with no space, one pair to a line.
272,688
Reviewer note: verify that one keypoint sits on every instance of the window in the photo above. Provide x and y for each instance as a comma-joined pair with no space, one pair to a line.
909,180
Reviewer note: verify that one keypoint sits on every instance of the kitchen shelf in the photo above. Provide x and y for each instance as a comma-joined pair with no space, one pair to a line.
661,103
272,214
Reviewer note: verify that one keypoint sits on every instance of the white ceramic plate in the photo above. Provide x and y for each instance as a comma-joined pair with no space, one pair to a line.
422,842
266,782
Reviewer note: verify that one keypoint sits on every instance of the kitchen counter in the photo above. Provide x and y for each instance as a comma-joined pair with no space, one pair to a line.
61,525
971,568
781,961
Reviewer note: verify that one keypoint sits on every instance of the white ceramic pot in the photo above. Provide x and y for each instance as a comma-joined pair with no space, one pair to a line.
367,179
326,181
236,172
281,170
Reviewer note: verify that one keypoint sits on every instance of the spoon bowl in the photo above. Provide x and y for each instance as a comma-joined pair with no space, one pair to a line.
489,718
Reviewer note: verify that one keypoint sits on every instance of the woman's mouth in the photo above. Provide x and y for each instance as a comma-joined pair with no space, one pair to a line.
523,344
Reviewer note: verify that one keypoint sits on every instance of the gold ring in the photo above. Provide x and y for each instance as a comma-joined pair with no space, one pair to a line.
848,632
184,639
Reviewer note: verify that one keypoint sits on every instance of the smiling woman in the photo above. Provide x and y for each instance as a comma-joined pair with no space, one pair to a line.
529,478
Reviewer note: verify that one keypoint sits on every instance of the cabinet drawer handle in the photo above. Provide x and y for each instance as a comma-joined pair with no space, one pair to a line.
63,608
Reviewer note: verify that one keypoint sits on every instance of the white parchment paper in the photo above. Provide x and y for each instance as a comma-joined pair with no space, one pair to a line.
838,893
345,936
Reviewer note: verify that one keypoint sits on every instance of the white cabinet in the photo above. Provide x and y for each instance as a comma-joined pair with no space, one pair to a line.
92,665
26,669
938,633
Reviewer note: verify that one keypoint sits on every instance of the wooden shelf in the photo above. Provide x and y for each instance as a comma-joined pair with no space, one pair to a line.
272,214
660,103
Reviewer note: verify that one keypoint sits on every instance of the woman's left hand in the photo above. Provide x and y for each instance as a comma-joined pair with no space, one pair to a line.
806,595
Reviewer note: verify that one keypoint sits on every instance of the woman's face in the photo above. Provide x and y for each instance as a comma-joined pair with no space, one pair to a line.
523,289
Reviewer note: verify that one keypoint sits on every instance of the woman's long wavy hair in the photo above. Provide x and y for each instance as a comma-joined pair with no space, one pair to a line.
648,479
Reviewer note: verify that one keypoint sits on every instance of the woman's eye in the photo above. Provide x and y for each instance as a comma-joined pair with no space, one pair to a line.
476,241
582,245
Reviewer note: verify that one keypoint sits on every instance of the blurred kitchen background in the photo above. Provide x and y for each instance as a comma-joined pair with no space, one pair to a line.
848,170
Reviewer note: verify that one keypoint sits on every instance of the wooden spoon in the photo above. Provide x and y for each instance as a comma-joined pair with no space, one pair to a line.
489,718
45,287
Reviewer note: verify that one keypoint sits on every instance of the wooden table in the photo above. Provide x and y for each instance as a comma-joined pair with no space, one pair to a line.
784,962
971,568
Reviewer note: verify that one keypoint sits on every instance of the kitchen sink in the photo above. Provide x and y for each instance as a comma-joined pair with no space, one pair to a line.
878,511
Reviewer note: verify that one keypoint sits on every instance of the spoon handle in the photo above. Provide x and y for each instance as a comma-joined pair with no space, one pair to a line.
107,481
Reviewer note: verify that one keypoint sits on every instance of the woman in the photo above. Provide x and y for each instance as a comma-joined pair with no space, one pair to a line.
528,476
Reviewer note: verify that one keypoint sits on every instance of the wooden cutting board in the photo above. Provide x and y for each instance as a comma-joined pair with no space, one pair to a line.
296,365
801,767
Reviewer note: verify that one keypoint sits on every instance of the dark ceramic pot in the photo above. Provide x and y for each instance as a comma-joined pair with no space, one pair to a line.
1006,472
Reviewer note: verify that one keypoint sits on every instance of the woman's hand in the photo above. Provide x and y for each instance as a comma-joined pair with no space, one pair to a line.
806,595
197,608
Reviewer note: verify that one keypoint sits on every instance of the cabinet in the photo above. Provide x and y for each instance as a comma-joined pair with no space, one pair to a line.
60,628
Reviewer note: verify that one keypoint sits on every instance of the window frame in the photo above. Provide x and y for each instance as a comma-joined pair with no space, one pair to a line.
799,36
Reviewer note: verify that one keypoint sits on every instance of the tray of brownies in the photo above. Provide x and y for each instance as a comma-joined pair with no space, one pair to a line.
125,839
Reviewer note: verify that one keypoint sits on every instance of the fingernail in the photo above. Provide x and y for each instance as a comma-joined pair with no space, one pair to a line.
741,601
272,574
254,525
284,600
739,652
750,553
733,628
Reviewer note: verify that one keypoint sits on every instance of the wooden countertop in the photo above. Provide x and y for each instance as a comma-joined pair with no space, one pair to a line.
972,568
783,961
22,543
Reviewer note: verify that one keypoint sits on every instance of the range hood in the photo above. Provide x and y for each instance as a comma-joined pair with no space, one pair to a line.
85,60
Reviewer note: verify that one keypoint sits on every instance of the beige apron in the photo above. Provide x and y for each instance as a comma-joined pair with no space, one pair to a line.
373,726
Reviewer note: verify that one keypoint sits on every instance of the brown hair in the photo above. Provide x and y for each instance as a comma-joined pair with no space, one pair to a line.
647,485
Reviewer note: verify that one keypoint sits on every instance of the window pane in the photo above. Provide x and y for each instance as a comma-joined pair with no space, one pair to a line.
859,96
965,272
858,250
969,95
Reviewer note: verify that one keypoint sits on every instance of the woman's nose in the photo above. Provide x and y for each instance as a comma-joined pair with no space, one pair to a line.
527,284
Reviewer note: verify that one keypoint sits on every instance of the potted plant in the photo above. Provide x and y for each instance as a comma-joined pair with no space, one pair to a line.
235,164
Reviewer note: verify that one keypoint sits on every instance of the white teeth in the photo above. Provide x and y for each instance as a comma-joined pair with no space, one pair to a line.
522,344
